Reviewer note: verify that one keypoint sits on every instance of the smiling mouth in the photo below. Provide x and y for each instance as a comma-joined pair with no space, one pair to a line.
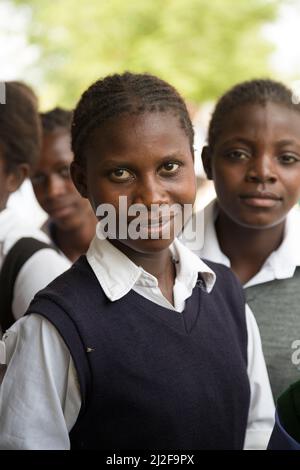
155,227
149,223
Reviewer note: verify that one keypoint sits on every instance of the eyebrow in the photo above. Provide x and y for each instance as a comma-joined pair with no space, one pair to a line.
242,140
128,163
287,142
250,142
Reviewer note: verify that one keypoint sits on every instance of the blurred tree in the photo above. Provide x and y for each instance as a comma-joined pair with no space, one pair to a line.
200,46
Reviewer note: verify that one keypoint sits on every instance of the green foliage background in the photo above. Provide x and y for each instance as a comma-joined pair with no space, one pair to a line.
200,46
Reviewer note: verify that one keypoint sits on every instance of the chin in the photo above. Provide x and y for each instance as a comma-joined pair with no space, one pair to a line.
148,245
259,223
66,223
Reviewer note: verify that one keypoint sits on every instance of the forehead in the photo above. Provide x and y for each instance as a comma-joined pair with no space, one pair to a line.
56,146
138,133
256,120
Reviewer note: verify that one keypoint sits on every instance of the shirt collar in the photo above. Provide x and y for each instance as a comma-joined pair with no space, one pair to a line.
211,249
281,264
189,266
117,274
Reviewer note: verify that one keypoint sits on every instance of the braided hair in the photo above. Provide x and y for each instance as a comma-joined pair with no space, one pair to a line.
20,130
249,92
56,119
126,93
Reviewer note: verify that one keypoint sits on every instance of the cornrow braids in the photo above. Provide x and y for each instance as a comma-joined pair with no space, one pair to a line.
55,119
126,93
20,128
249,92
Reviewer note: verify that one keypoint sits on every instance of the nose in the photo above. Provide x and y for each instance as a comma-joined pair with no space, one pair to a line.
261,170
55,186
150,191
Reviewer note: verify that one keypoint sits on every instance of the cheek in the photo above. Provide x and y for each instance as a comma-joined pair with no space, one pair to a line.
71,189
39,192
293,189
187,188
190,193
102,192
227,179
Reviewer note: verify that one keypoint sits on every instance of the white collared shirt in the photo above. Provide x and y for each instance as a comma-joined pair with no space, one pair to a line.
281,264
46,397
41,268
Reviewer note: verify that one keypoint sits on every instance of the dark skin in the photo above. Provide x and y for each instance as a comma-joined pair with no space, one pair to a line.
148,159
247,249
72,218
73,243
255,165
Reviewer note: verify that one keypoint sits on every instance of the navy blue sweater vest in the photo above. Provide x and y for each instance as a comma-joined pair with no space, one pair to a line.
152,378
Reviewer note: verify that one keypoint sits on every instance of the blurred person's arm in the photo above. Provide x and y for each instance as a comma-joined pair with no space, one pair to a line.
262,409
39,396
41,269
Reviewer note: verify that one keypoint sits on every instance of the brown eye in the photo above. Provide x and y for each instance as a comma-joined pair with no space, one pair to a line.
38,179
237,155
120,174
288,159
64,172
170,167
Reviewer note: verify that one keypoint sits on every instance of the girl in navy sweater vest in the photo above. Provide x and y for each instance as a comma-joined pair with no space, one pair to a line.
140,345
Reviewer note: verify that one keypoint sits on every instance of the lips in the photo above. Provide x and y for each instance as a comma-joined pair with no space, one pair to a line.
260,199
155,222
59,211
261,195
153,227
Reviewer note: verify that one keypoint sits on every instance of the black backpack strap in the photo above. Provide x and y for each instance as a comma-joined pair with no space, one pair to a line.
17,256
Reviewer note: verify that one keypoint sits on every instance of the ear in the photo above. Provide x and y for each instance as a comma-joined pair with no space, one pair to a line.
78,175
16,177
207,160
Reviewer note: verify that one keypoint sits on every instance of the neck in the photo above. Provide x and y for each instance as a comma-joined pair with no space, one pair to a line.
247,248
159,264
75,242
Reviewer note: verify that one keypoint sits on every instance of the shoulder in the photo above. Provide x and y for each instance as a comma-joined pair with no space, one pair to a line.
35,274
73,286
15,229
43,336
48,262
39,270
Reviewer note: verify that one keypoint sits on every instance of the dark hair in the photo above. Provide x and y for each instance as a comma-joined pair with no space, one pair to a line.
126,93
56,119
27,90
20,130
249,92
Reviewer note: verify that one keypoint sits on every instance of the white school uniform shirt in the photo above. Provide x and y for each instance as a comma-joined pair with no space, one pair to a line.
40,398
38,271
281,264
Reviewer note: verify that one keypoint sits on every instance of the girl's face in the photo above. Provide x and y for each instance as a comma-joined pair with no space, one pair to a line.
146,158
255,164
53,185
